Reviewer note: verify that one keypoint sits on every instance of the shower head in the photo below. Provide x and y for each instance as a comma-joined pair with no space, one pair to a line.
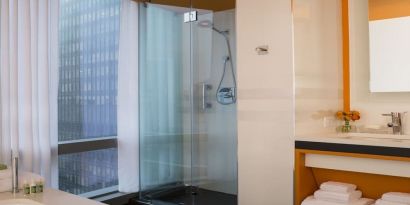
209,24
205,24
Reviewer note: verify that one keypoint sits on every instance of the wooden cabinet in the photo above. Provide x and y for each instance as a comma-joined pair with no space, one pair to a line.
373,184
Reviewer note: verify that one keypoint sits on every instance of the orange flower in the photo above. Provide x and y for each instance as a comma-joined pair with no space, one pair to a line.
355,115
348,116
339,115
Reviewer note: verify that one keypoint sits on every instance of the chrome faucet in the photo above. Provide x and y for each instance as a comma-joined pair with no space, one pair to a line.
15,174
396,122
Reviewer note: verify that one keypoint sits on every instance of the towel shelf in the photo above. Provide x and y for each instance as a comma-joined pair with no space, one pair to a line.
371,173
357,164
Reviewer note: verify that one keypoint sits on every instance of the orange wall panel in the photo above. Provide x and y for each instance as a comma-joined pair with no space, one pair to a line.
385,9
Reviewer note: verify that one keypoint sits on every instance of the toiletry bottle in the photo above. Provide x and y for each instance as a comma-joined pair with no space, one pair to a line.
32,187
26,187
39,186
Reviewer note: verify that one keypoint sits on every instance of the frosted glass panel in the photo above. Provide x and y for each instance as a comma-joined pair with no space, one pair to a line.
188,135
214,127
162,97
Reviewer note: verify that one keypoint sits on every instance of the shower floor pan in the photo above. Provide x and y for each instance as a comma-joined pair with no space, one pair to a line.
186,196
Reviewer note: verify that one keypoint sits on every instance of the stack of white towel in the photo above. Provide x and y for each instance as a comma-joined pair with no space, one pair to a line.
6,179
394,198
337,193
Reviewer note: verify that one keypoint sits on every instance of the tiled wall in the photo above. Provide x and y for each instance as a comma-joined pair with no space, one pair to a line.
222,119
214,148
318,64
265,107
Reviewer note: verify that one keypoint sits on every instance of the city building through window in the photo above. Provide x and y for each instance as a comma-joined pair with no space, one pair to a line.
87,96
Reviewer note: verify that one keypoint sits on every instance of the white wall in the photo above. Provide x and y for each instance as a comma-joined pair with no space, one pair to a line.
265,108
371,105
318,65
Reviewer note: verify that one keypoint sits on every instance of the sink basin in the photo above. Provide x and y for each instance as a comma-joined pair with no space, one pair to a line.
19,202
378,136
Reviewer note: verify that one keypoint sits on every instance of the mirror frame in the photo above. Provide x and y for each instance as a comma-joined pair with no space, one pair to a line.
346,55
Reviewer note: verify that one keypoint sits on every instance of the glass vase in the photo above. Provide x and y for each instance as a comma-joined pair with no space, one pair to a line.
346,127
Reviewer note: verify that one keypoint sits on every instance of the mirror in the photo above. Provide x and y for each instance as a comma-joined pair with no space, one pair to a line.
392,93
389,45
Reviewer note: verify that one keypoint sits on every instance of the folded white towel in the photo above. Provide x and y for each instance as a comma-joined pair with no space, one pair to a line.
337,187
340,197
4,174
312,201
397,197
384,202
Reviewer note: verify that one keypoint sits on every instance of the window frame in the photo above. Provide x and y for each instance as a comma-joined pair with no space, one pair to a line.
86,145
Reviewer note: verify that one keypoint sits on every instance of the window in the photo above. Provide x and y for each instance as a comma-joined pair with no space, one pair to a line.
87,96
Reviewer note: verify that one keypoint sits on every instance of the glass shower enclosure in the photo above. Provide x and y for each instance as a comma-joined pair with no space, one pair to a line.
187,92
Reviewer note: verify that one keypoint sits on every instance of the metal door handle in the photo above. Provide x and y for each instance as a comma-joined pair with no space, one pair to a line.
205,103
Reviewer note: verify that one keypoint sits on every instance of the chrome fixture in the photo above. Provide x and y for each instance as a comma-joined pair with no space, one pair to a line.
396,122
190,16
224,95
15,174
205,102
262,50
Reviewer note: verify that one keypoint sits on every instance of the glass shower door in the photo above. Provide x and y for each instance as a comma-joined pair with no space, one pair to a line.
165,100
214,114
188,147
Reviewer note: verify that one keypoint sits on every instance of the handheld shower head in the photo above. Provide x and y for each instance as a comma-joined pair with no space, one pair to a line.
223,93
221,32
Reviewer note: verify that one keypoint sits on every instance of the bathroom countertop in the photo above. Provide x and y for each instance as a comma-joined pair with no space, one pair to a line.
346,143
51,197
